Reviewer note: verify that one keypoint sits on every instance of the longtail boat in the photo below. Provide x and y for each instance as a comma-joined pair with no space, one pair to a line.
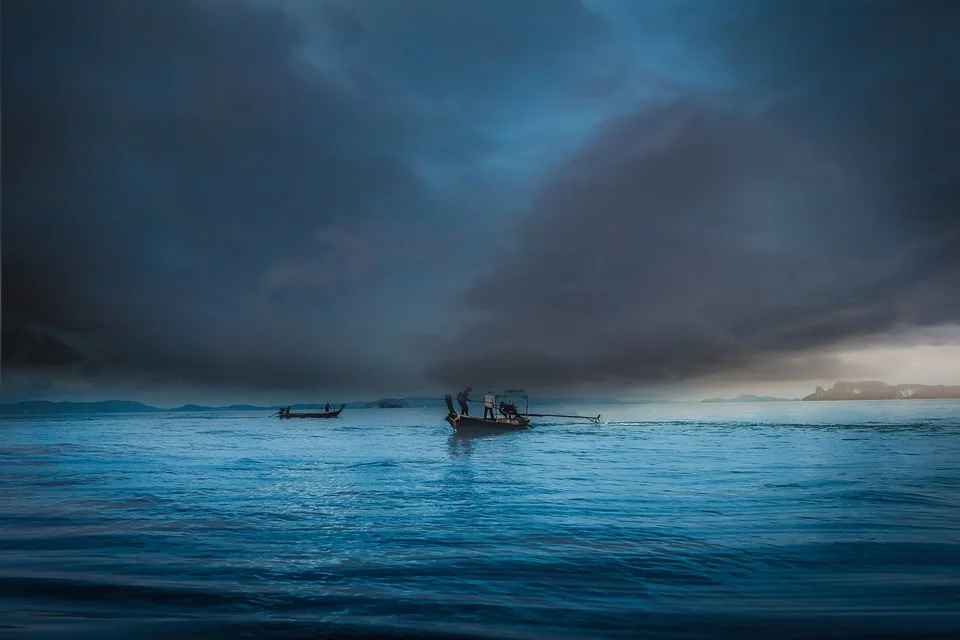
510,418
309,414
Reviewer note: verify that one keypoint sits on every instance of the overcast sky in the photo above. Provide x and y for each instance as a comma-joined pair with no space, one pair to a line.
280,199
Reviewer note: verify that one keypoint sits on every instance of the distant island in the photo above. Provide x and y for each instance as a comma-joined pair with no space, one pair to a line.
749,398
387,403
872,390
46,407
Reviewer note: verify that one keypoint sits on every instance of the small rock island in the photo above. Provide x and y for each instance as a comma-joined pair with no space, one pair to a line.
387,403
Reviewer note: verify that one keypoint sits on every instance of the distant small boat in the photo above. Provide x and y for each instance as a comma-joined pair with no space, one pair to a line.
321,414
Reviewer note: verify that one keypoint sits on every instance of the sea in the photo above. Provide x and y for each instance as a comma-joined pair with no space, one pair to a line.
771,520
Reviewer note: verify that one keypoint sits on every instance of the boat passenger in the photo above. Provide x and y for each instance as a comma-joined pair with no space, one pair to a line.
463,398
326,408
488,405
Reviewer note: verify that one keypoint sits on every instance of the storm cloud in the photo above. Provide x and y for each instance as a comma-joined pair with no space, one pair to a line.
230,193
682,240
172,173
815,203
376,197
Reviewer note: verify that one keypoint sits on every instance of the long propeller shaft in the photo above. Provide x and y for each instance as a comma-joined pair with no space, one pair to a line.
558,415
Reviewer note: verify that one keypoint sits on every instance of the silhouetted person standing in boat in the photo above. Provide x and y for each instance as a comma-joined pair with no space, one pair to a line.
488,405
326,408
463,398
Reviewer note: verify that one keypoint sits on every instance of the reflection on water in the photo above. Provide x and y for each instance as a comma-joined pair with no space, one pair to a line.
461,442
795,520
460,445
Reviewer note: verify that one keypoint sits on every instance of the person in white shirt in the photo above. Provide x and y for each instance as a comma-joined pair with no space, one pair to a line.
488,405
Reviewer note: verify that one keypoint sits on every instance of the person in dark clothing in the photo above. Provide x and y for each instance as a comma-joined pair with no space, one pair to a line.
463,398
326,408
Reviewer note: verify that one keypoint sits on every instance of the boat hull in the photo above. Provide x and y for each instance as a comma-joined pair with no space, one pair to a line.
322,414
461,423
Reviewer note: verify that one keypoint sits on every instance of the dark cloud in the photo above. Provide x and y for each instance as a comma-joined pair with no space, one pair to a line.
249,194
710,236
283,195
189,197
33,348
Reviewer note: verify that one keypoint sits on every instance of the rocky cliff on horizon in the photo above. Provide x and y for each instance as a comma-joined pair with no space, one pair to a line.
873,390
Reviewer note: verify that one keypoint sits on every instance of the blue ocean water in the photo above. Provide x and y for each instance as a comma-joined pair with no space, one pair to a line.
768,520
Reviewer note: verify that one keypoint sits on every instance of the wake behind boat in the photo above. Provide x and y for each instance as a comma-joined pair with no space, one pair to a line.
509,419
286,413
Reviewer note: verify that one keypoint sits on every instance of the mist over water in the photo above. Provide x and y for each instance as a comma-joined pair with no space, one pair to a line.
780,520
